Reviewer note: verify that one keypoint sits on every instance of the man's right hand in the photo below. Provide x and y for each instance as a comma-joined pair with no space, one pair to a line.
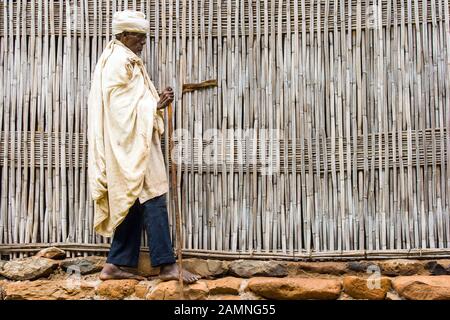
165,98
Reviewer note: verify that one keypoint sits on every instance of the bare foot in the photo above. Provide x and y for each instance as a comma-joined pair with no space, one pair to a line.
170,272
111,271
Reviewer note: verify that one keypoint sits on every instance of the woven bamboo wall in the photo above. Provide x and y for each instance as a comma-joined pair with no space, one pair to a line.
360,90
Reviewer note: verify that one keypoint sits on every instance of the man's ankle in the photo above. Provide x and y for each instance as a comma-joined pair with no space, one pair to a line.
166,266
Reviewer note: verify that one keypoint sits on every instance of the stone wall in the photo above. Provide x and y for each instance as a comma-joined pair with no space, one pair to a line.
49,275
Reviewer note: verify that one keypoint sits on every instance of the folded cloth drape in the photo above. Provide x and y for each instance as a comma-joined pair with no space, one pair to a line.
122,114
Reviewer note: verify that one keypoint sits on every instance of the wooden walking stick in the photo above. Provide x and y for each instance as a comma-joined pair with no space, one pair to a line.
173,173
188,87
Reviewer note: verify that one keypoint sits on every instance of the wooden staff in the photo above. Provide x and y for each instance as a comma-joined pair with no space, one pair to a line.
173,172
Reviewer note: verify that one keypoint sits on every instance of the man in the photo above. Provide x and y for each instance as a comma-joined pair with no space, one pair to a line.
127,175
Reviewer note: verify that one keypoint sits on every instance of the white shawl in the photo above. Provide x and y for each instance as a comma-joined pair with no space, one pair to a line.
121,116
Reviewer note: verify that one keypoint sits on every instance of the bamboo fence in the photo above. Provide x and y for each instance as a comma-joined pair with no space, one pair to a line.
360,91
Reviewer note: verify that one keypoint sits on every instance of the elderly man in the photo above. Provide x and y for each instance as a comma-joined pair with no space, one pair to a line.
127,175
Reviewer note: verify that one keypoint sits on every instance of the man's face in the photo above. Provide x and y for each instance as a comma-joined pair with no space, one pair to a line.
134,41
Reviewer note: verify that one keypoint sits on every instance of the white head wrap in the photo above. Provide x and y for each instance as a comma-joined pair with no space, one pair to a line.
132,21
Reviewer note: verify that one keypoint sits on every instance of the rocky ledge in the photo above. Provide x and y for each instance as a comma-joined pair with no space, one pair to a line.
50,275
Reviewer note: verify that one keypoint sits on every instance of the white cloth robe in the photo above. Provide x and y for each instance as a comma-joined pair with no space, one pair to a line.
125,160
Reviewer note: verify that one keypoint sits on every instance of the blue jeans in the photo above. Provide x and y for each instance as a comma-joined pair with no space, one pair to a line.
126,242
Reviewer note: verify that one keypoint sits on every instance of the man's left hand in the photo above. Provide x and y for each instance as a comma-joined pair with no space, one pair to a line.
165,98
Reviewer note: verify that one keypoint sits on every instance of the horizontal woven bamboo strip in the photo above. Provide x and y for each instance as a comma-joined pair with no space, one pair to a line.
366,11
284,153
215,254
